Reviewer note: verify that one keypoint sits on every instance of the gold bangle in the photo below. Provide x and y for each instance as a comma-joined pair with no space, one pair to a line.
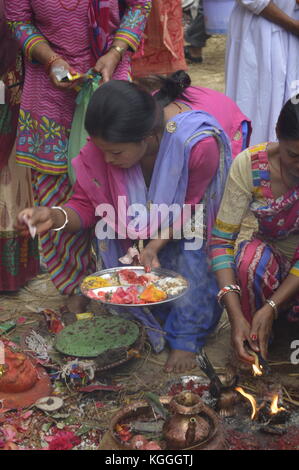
120,50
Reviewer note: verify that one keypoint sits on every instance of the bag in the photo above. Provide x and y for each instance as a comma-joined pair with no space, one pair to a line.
78,133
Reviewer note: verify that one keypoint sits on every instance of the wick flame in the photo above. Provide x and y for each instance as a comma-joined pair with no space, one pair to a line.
250,398
274,408
257,370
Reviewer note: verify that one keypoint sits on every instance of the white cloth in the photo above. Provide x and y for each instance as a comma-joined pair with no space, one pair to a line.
262,64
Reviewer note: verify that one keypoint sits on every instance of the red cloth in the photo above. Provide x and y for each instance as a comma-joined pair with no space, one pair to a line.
163,49
19,261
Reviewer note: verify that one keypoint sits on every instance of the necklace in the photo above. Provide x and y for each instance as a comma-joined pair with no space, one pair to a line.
287,185
72,8
178,106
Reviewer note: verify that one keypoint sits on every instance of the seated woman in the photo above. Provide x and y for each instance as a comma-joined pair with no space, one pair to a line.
152,153
262,280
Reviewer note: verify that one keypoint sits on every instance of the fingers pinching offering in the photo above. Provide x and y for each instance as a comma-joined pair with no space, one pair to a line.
32,229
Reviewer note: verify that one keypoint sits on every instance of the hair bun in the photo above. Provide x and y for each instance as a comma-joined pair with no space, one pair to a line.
181,78
172,87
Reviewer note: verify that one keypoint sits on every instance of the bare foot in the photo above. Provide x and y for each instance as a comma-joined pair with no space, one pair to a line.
77,303
180,361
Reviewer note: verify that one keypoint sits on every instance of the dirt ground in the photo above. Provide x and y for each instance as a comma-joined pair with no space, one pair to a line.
210,73
146,373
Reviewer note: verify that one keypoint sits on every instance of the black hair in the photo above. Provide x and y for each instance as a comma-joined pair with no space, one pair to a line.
173,87
121,112
287,127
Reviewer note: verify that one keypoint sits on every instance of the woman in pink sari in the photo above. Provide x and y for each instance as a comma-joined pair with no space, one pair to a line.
153,150
262,280
77,35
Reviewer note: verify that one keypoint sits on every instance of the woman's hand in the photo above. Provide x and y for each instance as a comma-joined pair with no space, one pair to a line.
107,64
39,217
261,329
240,332
61,85
149,258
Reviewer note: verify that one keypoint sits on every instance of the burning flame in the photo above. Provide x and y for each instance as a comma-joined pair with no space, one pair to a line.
257,370
250,398
274,408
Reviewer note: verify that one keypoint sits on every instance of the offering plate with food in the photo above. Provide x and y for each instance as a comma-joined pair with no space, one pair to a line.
133,286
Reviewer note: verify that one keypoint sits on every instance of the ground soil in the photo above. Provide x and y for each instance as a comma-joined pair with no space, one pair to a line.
210,73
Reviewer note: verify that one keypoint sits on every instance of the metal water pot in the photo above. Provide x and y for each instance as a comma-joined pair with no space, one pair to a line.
187,426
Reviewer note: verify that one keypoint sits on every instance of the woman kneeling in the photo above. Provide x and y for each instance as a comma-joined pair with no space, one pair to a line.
152,150
262,280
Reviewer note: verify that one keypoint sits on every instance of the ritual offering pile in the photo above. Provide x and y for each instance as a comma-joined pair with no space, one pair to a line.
133,286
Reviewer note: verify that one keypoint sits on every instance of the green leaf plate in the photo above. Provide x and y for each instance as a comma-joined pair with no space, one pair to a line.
92,337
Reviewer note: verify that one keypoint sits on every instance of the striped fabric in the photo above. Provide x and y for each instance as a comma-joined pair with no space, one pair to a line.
46,112
133,23
295,269
27,34
277,218
68,256
260,271
260,266
114,19
222,246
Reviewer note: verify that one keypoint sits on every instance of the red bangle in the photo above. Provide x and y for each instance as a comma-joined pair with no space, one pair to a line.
52,59
225,290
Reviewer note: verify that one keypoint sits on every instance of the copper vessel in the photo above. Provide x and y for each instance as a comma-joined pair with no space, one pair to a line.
189,424
226,403
215,439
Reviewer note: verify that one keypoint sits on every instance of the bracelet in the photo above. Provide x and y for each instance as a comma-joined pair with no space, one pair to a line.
274,306
226,289
66,218
120,50
52,59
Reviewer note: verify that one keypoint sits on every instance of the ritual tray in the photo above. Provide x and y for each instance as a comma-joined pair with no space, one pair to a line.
110,275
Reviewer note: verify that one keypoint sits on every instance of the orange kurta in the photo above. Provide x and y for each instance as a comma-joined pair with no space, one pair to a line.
163,50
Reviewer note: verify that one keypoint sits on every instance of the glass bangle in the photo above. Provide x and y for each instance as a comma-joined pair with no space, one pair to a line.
66,218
